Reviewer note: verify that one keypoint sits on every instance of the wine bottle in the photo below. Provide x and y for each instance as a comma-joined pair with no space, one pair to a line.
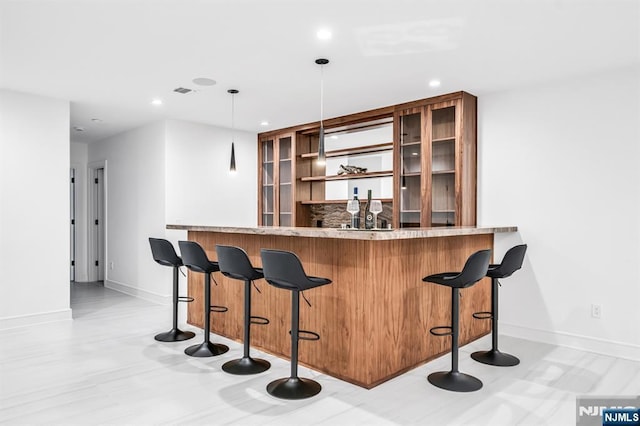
368,216
355,222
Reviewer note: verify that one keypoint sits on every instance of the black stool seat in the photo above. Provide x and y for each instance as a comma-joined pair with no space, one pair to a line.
284,270
234,263
195,259
511,262
164,254
474,270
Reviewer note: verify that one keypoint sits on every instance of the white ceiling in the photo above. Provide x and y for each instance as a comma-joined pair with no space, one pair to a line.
111,58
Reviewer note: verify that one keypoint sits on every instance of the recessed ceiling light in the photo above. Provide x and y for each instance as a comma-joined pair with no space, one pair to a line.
203,81
434,83
264,123
323,34
156,102
78,128
96,120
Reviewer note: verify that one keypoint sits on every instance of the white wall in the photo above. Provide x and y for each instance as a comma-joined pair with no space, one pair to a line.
134,187
79,155
34,209
561,161
200,190
170,172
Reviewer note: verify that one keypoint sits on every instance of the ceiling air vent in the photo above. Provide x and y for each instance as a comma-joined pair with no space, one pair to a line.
182,90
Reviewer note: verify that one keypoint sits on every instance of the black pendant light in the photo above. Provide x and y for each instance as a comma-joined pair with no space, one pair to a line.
321,154
232,166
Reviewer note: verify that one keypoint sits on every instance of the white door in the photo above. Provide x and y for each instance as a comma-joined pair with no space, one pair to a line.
99,224
72,209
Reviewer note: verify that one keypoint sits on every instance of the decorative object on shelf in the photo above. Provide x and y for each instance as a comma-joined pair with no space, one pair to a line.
351,170
321,154
232,166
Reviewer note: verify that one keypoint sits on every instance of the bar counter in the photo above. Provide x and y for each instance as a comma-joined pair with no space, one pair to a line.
374,319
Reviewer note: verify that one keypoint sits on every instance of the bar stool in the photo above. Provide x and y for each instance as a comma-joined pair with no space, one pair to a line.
164,254
284,270
474,270
235,264
511,262
195,258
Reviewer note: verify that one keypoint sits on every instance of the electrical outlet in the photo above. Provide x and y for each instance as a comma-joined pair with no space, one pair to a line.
596,311
111,265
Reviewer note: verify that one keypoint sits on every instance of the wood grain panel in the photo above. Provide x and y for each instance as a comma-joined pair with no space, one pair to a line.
469,160
373,319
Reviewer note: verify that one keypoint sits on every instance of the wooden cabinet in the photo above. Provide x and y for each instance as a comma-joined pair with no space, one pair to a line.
436,163
276,180
420,158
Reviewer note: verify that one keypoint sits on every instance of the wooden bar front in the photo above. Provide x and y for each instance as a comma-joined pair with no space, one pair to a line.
374,319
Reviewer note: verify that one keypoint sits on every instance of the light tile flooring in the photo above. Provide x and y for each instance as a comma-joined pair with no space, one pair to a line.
104,367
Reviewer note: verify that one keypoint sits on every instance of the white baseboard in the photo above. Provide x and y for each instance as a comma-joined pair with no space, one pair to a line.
160,299
31,319
585,343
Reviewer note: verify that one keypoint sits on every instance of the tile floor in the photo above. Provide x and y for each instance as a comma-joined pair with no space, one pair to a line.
104,367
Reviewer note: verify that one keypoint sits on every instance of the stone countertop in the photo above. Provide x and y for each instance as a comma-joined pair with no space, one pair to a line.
349,234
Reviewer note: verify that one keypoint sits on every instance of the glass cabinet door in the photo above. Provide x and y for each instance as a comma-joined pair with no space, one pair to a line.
443,166
268,196
410,169
285,187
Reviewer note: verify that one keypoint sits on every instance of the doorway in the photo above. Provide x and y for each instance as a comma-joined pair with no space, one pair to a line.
97,222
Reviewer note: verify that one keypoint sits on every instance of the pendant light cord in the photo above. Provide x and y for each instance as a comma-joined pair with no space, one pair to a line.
233,113
232,166
321,94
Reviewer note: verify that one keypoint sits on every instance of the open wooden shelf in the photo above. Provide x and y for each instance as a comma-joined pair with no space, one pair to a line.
442,172
353,151
310,202
347,176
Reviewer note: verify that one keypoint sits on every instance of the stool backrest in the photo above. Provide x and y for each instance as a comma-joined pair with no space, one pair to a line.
283,269
194,257
474,269
234,263
512,261
164,253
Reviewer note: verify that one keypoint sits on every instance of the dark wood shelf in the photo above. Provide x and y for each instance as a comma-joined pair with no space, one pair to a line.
347,176
353,151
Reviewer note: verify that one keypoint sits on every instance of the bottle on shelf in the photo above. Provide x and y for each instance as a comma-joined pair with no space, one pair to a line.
368,216
355,219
